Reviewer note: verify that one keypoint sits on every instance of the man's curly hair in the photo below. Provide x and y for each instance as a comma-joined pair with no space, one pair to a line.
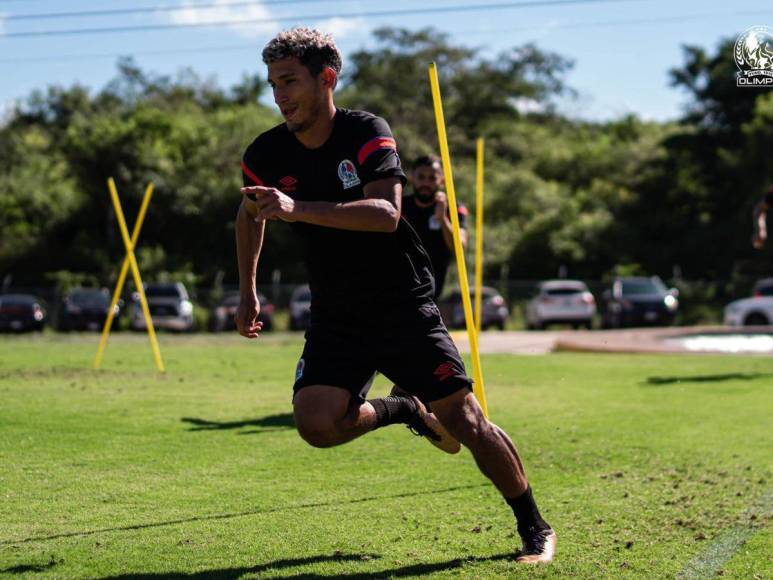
313,48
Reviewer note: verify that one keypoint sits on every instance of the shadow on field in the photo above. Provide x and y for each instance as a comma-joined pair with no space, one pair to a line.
277,422
24,568
212,517
707,378
417,570
227,573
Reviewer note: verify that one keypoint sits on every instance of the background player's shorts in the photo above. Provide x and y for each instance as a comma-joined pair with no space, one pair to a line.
418,356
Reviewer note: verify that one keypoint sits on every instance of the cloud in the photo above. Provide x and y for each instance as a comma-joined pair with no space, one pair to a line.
221,11
341,27
3,15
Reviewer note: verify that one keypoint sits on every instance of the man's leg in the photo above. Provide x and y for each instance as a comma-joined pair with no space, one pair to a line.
327,416
498,460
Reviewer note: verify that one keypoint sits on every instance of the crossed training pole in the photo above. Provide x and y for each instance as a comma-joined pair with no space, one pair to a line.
477,386
129,261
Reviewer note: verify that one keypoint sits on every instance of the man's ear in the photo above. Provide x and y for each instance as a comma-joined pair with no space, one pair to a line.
329,77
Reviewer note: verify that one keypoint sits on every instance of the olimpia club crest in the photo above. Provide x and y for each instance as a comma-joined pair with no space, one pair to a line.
753,56
348,174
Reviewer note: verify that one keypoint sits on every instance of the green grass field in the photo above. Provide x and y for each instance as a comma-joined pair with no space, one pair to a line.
647,466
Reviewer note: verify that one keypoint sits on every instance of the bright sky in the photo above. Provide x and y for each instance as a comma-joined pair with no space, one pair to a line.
622,49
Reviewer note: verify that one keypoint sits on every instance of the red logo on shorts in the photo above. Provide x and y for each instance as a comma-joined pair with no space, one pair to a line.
444,371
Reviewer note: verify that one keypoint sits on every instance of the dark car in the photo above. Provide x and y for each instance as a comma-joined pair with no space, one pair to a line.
494,311
222,315
21,312
85,309
639,301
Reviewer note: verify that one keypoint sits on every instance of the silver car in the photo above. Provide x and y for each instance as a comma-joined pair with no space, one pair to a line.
561,302
170,307
300,308
754,311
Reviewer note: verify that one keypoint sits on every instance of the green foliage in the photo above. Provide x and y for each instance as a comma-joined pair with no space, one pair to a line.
560,193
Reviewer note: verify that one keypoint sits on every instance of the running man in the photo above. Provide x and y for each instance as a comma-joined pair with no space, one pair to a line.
760,215
427,212
334,174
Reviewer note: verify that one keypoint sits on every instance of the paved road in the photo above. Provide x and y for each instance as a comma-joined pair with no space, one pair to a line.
626,340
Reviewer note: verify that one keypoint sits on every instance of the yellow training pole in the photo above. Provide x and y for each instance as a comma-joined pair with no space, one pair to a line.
122,277
135,274
478,234
459,251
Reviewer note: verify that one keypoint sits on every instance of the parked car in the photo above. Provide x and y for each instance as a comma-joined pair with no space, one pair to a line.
300,308
561,302
494,311
222,316
85,309
170,307
21,312
754,311
639,301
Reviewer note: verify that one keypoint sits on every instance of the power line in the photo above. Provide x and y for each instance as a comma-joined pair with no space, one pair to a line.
150,9
371,14
253,47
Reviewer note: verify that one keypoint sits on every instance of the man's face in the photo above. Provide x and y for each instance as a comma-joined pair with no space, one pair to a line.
299,95
427,181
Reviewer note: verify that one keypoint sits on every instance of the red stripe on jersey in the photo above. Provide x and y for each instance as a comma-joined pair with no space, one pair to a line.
374,145
255,179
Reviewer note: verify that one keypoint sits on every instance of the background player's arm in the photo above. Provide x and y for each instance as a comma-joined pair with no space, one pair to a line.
249,241
760,226
378,212
446,226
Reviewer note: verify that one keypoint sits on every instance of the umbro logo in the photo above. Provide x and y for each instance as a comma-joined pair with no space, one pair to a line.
288,183
444,371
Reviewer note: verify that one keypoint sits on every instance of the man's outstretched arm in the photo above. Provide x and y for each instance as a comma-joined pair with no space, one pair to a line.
249,241
378,212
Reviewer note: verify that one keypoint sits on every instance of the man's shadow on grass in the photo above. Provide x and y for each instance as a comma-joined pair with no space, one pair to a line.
25,568
277,422
659,381
285,564
226,516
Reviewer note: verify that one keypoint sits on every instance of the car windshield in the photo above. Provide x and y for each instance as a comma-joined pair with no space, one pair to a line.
163,291
232,300
650,286
765,290
16,300
563,291
89,298
304,296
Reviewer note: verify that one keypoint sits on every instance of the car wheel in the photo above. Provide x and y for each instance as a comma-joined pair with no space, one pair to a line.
756,319
588,324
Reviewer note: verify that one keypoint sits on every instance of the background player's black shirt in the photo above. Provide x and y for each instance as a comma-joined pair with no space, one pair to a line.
430,231
356,278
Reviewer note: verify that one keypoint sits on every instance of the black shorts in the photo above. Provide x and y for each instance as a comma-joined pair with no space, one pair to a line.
418,355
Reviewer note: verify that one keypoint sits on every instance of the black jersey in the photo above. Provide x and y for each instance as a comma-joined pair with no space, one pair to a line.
355,277
431,234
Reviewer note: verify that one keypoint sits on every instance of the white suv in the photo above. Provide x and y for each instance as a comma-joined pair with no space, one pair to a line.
561,302
169,305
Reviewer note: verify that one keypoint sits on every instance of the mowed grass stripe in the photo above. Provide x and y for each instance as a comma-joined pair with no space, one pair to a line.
709,562
199,472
